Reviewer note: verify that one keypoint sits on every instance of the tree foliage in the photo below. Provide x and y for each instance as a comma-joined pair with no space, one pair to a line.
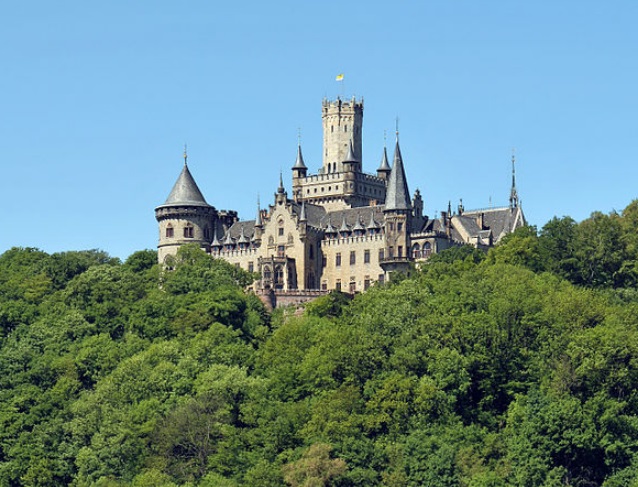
519,368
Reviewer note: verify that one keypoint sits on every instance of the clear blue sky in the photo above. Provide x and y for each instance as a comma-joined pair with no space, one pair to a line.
98,98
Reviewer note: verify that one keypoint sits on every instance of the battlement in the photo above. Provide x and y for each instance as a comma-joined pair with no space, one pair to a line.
341,104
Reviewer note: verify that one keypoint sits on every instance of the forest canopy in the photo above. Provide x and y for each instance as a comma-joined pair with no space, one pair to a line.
518,367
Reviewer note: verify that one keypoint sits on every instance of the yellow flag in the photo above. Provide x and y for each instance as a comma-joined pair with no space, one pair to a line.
339,77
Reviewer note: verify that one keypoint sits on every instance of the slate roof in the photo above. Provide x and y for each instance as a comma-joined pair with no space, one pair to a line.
299,164
397,196
350,216
185,191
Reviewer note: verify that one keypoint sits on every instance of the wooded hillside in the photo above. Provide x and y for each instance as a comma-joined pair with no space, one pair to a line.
516,368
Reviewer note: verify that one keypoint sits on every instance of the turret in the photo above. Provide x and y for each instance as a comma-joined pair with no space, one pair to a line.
384,168
351,163
185,217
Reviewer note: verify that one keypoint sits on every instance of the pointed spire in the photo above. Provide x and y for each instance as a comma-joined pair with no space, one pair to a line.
513,192
350,157
185,155
372,225
302,216
358,226
281,188
397,193
344,225
258,221
384,166
229,239
329,228
216,243
299,163
243,239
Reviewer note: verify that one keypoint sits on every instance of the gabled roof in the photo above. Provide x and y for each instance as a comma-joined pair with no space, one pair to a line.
185,191
397,196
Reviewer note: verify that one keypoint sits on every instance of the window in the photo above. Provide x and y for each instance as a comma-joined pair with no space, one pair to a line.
391,252
251,267
338,285
206,233
353,257
399,227
366,283
281,251
381,254
427,249
366,256
400,251
381,278
169,232
267,273
324,261
311,252
416,251
338,259
188,232
281,232
324,286
353,286
391,226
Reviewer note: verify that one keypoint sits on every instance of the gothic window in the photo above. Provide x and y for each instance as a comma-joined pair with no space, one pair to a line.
353,257
188,232
169,231
366,256
416,251
427,249
338,259
267,273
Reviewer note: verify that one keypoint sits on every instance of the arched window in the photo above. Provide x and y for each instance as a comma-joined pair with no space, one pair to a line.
416,251
279,277
169,231
188,231
427,249
267,273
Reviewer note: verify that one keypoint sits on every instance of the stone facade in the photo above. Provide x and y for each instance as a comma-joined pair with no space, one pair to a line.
341,229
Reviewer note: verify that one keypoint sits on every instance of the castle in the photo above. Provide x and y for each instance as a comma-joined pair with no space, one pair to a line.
341,228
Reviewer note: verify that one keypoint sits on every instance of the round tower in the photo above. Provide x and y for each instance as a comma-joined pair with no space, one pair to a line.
184,218
342,123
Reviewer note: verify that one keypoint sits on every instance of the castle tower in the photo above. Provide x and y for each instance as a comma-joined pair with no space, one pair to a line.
342,122
185,217
397,214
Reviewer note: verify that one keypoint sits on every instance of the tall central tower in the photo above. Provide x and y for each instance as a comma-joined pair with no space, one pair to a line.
342,122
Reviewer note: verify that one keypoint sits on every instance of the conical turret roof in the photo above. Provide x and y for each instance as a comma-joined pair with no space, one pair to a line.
299,164
384,166
185,191
350,157
397,195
